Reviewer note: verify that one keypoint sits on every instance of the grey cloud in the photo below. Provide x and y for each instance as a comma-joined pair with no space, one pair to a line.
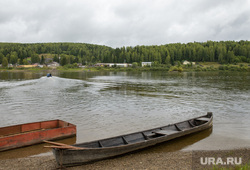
119,23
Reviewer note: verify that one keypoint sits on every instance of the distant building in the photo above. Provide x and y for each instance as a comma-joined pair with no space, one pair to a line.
188,63
118,64
80,65
54,64
113,64
146,64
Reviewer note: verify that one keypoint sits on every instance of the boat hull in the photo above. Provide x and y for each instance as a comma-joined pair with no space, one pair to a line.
33,133
69,157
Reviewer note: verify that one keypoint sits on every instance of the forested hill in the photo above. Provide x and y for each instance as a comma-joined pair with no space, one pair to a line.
68,53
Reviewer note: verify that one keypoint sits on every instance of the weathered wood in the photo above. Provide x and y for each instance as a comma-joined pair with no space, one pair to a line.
166,132
110,147
177,127
203,119
191,124
60,145
100,144
124,140
32,133
55,143
64,147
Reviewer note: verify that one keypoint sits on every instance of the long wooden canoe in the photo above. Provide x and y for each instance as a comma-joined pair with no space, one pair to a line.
110,147
32,133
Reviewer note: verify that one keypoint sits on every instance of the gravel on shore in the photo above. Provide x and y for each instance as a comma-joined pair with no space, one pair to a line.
162,160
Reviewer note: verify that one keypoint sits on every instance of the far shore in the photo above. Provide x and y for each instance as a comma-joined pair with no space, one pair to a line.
200,67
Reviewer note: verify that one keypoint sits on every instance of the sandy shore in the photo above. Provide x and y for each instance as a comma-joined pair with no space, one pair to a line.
166,160
171,160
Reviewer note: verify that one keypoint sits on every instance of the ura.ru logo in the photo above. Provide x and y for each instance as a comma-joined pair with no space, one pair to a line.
220,161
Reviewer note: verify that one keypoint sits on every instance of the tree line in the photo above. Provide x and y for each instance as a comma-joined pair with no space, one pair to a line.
68,53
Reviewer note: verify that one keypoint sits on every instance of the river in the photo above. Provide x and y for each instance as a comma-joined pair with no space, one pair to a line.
105,104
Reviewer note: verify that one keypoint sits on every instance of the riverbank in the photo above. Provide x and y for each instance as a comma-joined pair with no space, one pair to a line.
203,66
139,160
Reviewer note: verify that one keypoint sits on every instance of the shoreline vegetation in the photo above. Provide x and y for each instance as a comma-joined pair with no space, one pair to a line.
193,56
199,67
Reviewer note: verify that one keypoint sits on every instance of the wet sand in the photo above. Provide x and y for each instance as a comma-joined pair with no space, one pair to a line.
139,160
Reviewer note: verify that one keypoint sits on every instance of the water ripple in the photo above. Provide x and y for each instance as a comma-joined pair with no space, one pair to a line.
128,102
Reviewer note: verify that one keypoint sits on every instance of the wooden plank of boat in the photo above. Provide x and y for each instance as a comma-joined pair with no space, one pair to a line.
32,133
203,119
110,147
60,145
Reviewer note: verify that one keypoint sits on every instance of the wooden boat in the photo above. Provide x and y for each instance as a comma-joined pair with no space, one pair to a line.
33,133
69,155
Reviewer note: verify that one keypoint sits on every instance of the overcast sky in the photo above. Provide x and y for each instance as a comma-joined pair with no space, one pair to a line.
118,23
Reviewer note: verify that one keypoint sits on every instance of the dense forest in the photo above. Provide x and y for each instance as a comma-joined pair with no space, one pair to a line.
68,53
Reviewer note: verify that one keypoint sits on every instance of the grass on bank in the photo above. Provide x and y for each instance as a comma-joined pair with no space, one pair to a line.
213,66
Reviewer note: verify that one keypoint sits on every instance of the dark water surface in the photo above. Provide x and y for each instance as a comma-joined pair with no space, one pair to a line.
105,104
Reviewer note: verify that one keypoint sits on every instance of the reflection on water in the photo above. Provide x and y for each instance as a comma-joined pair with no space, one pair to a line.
19,75
105,104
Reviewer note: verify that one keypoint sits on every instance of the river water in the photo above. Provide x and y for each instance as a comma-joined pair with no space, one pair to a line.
105,104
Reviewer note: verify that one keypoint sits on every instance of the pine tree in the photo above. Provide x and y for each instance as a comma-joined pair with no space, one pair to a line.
168,60
42,60
5,62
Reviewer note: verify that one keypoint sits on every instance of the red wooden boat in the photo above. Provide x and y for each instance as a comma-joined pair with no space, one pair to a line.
32,133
